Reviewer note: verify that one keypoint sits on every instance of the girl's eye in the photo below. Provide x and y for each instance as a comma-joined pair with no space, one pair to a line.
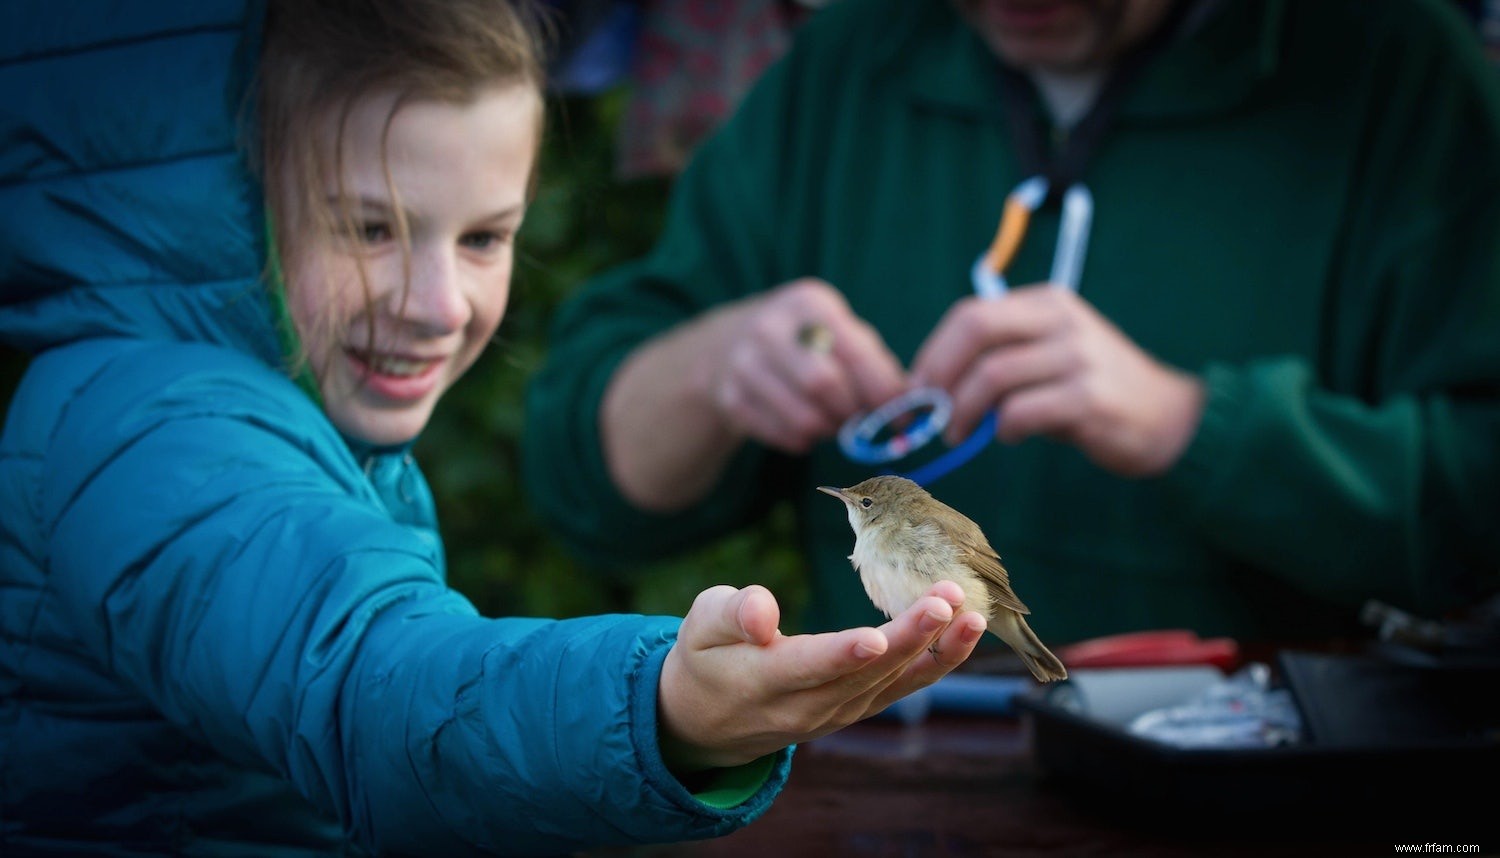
481,240
372,232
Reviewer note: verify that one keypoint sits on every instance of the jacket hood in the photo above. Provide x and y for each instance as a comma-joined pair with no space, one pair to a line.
127,203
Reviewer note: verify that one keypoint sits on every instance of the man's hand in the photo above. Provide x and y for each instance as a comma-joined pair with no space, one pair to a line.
1056,367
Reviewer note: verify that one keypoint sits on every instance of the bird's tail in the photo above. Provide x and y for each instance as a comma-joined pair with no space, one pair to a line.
1011,628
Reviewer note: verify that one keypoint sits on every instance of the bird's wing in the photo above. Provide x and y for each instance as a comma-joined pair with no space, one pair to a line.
975,552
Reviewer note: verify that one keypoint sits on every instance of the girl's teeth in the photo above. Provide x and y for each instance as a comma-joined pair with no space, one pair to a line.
395,366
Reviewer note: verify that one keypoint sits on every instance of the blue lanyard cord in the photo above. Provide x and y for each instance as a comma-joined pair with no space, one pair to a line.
955,456
931,407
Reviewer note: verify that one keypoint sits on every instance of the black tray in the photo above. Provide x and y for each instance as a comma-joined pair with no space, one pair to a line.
1383,776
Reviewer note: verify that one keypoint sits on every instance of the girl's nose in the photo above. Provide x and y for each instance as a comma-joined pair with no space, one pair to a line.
434,301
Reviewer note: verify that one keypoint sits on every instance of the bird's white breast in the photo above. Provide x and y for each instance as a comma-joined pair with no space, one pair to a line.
894,578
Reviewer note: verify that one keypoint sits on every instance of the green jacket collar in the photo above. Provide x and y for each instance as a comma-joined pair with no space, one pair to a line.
1210,69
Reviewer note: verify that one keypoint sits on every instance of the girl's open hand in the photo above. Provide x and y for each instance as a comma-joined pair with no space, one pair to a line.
734,688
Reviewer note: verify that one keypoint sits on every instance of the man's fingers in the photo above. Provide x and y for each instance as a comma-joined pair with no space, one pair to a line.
789,407
1006,371
875,373
976,325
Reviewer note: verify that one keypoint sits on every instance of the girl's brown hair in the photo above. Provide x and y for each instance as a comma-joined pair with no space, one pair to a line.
321,57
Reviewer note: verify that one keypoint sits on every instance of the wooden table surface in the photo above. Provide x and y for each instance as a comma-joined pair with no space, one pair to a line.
969,785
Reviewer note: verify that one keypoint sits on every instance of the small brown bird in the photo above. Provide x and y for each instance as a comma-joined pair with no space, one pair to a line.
906,540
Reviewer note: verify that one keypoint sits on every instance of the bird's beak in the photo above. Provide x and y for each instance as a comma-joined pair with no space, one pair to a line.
830,490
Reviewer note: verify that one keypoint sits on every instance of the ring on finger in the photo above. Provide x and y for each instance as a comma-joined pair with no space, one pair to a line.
815,337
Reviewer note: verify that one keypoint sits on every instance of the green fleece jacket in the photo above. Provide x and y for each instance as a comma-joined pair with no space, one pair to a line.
1298,201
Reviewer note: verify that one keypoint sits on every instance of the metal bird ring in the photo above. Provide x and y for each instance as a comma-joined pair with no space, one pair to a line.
928,409
815,337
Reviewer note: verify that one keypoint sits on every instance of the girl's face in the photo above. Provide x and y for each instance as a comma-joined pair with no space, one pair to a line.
459,175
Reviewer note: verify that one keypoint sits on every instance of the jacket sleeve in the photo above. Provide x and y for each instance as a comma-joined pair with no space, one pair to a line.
1375,471
218,549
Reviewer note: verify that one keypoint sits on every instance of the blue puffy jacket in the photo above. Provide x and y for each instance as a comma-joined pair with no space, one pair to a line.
222,629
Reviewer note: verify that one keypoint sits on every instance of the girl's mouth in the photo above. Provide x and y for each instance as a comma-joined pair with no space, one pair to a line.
392,365
396,378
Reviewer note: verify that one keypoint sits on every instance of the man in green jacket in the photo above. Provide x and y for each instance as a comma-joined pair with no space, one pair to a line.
1273,396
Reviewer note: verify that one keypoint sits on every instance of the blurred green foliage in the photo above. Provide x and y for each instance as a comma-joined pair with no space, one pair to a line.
499,555
583,220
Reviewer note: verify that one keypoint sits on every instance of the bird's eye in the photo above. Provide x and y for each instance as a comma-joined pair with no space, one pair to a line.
865,502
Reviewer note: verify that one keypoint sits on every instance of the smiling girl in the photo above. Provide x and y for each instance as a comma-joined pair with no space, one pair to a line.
224,621
406,254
